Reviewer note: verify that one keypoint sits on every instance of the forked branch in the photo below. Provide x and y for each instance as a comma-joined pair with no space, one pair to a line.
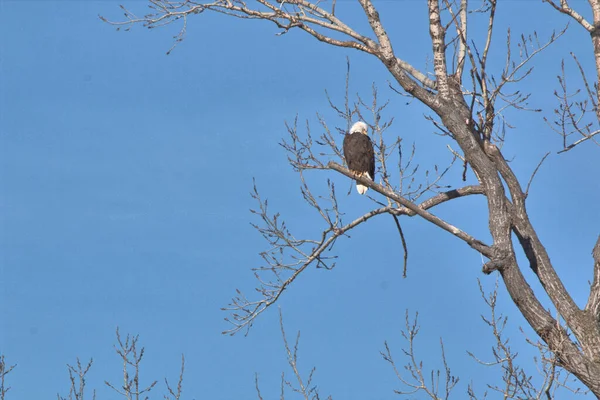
566,9
77,378
131,356
471,241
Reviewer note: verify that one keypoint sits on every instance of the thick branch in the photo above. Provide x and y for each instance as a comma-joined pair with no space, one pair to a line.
462,52
386,52
442,198
460,22
437,33
596,42
377,27
540,263
581,323
593,304
500,223
471,241
566,9
579,141
549,330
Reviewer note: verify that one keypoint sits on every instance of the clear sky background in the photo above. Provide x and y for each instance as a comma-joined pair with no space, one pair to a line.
125,177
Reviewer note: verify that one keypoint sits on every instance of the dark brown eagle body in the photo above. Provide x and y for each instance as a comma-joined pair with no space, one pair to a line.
359,153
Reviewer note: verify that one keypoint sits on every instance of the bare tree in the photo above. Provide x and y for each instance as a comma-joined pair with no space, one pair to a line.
4,370
77,377
468,104
418,380
303,386
131,356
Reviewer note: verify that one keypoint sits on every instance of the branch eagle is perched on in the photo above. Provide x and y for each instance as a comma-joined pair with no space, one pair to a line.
359,153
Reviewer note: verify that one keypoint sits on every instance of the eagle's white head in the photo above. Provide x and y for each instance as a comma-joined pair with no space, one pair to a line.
359,127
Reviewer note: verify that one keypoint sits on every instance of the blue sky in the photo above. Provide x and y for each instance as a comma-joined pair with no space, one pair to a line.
125,179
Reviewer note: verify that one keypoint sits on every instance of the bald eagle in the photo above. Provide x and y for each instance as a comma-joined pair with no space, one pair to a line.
359,153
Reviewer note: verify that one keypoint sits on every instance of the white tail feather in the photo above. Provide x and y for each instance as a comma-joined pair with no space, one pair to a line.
362,189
